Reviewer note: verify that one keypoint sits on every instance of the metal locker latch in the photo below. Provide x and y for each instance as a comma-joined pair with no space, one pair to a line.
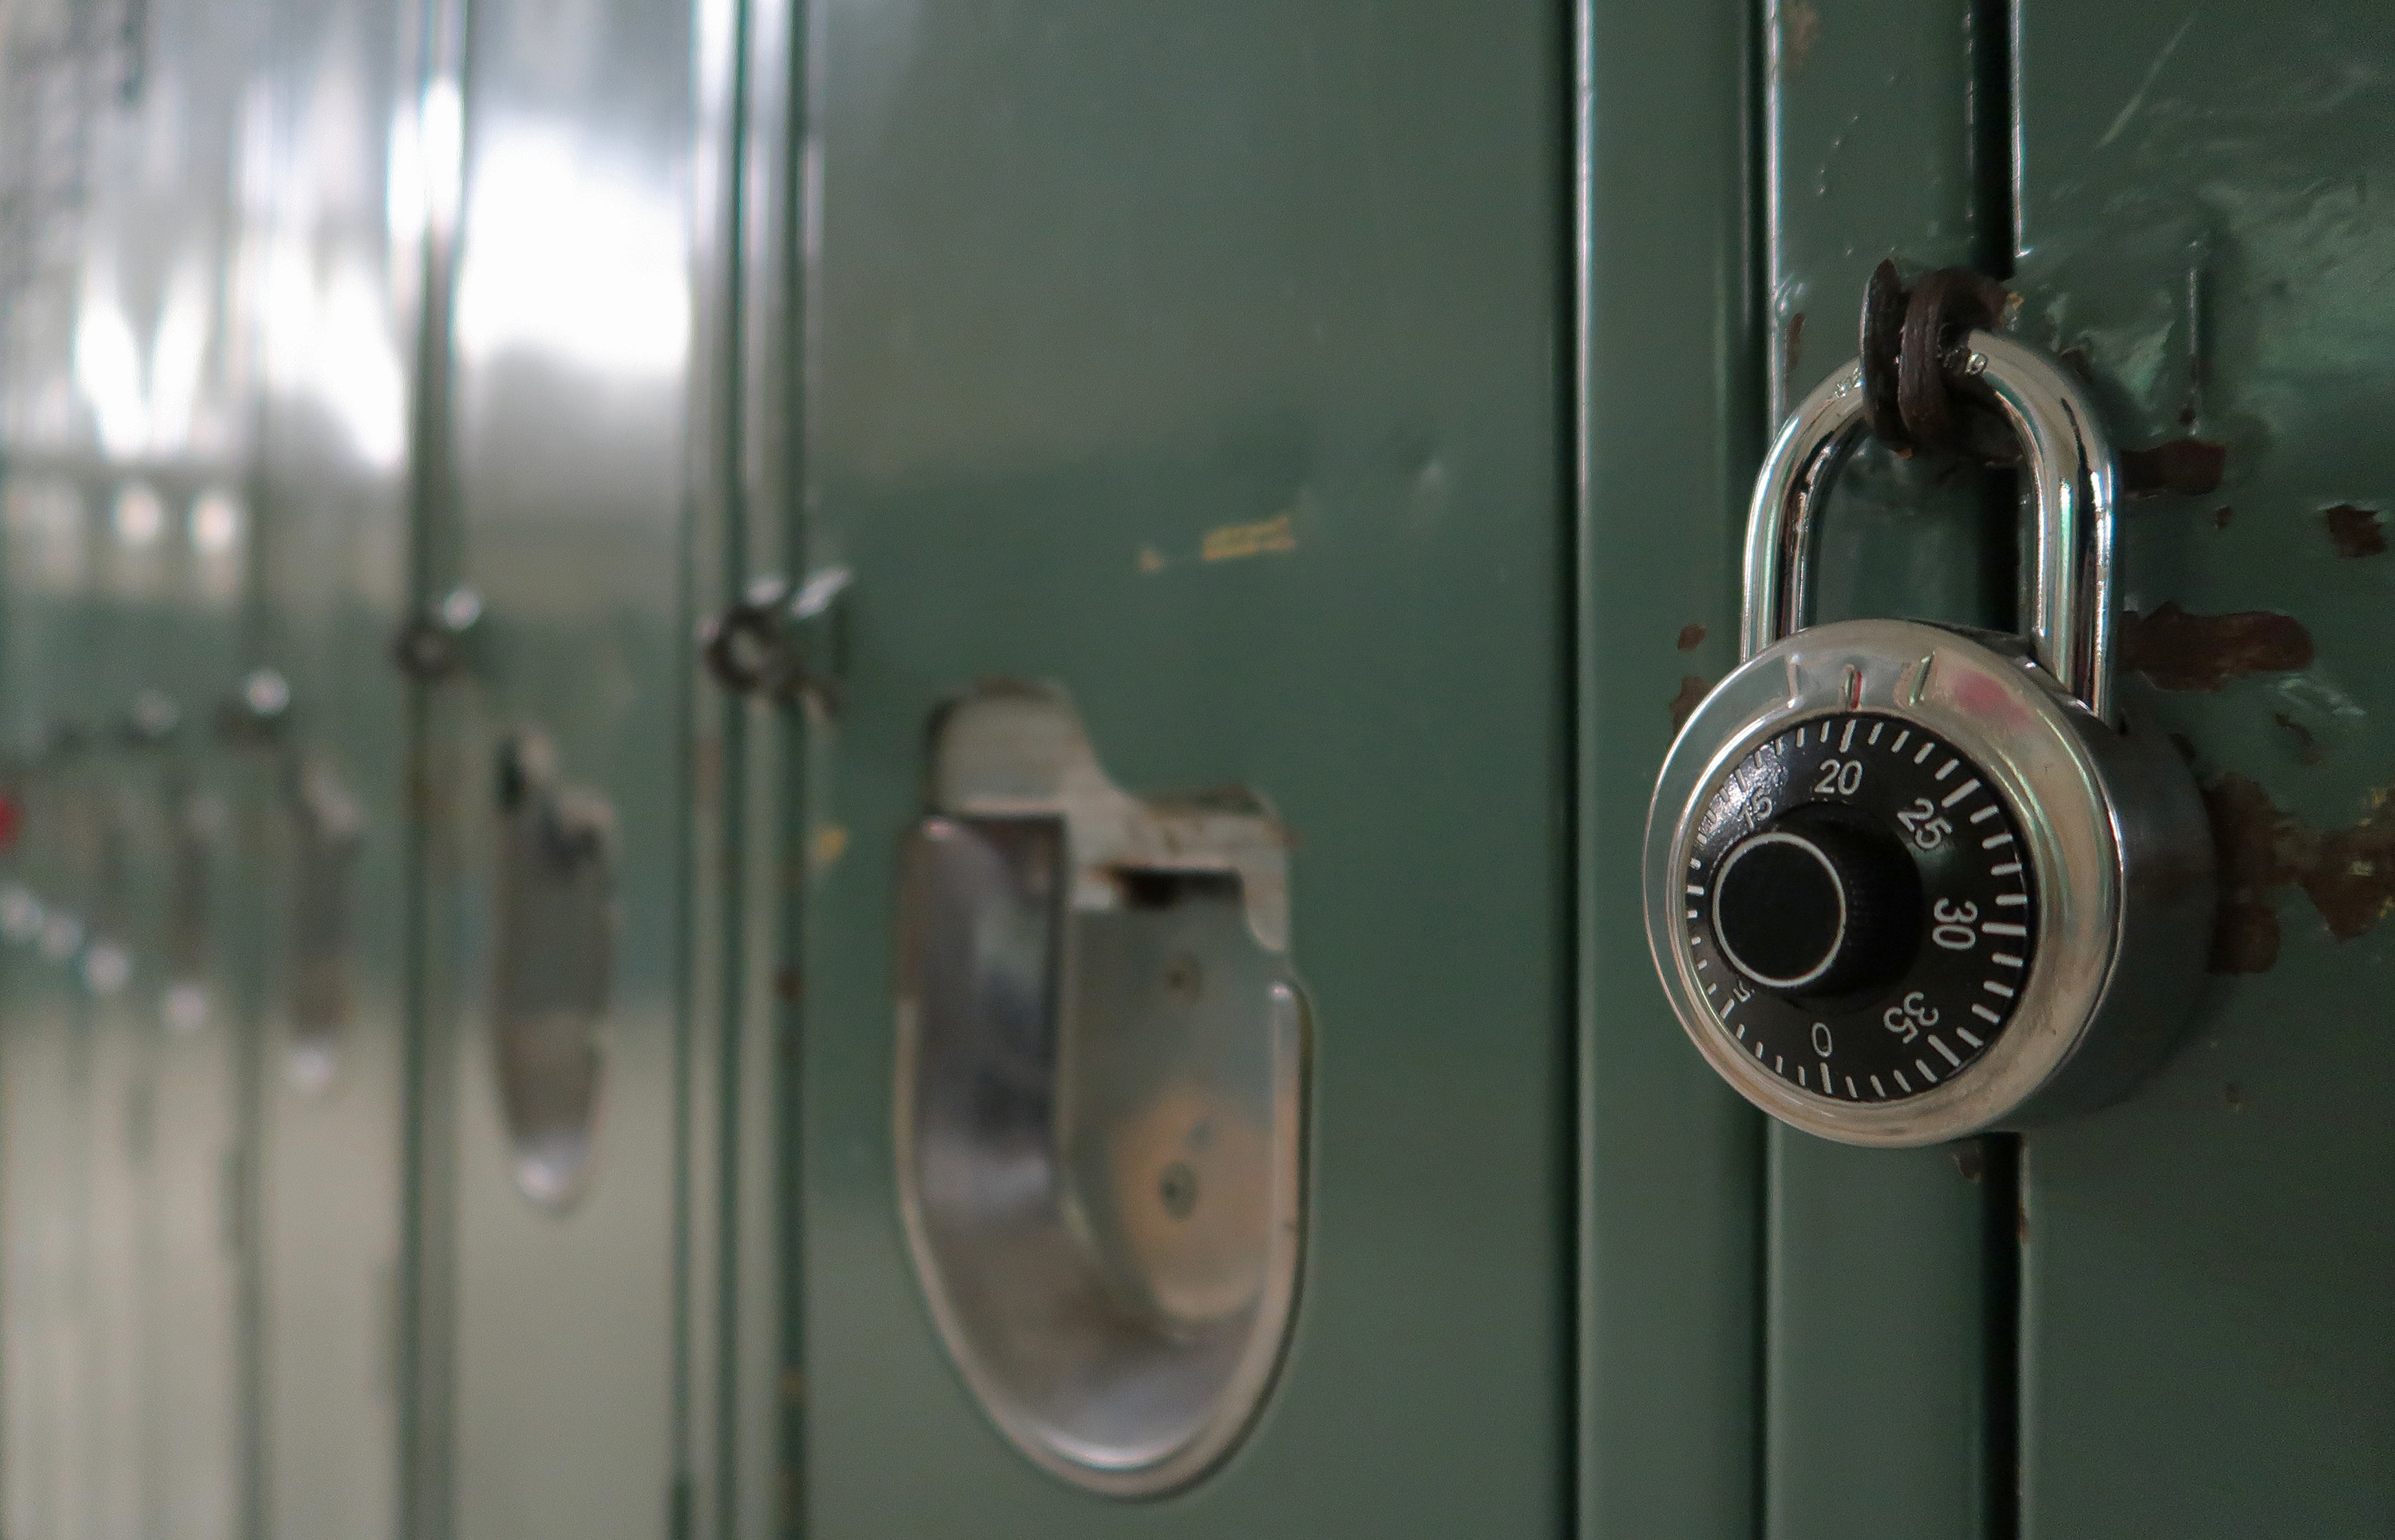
553,966
1101,1061
327,831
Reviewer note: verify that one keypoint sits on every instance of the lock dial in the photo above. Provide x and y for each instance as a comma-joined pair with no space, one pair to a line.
1860,908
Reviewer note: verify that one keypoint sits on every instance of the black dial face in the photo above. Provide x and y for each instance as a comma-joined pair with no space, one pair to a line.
1860,910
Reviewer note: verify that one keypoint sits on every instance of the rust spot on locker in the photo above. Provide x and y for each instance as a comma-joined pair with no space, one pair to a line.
785,985
2355,531
1691,637
2221,516
1791,352
1801,28
2179,650
2184,467
2347,873
1692,691
2259,849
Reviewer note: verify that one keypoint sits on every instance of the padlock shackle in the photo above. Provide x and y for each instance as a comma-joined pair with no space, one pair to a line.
2067,592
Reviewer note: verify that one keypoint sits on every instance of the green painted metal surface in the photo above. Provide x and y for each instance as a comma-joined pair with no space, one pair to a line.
1879,1308
1671,423
1100,293
2206,1350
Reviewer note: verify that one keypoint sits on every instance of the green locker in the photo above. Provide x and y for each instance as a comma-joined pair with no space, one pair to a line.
551,634
1887,1272
2130,1323
315,716
863,770
1185,396
2203,1350
133,1325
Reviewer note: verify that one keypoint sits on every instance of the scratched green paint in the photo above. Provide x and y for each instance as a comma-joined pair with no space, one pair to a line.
2207,1350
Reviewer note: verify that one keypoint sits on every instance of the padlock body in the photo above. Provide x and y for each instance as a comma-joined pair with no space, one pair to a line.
1901,887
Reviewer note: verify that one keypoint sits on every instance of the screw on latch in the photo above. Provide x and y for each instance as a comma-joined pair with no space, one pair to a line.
432,647
778,644
153,719
256,709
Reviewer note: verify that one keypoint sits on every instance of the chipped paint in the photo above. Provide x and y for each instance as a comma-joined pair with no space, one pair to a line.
1691,637
2347,873
2355,531
829,844
2179,468
1800,29
2179,650
1265,536
1151,561
1692,693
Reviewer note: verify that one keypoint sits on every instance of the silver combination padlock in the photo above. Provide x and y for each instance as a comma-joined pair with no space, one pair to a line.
1906,881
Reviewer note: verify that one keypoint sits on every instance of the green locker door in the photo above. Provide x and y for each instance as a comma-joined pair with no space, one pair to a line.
315,716
2160,1318
551,510
130,1404
1204,370
2206,1350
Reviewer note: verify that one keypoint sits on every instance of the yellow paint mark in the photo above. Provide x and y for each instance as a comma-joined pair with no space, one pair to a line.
1150,559
830,842
1233,541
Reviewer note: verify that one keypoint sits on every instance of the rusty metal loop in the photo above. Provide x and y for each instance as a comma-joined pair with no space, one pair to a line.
1884,299
1909,356
1947,306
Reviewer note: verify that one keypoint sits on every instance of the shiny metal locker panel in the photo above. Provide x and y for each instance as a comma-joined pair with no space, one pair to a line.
125,381
556,857
317,719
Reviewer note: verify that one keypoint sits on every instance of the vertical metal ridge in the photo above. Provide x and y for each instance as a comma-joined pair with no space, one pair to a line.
711,578
428,1093
1670,409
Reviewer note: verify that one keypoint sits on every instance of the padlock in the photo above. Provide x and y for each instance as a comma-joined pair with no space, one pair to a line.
1906,881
